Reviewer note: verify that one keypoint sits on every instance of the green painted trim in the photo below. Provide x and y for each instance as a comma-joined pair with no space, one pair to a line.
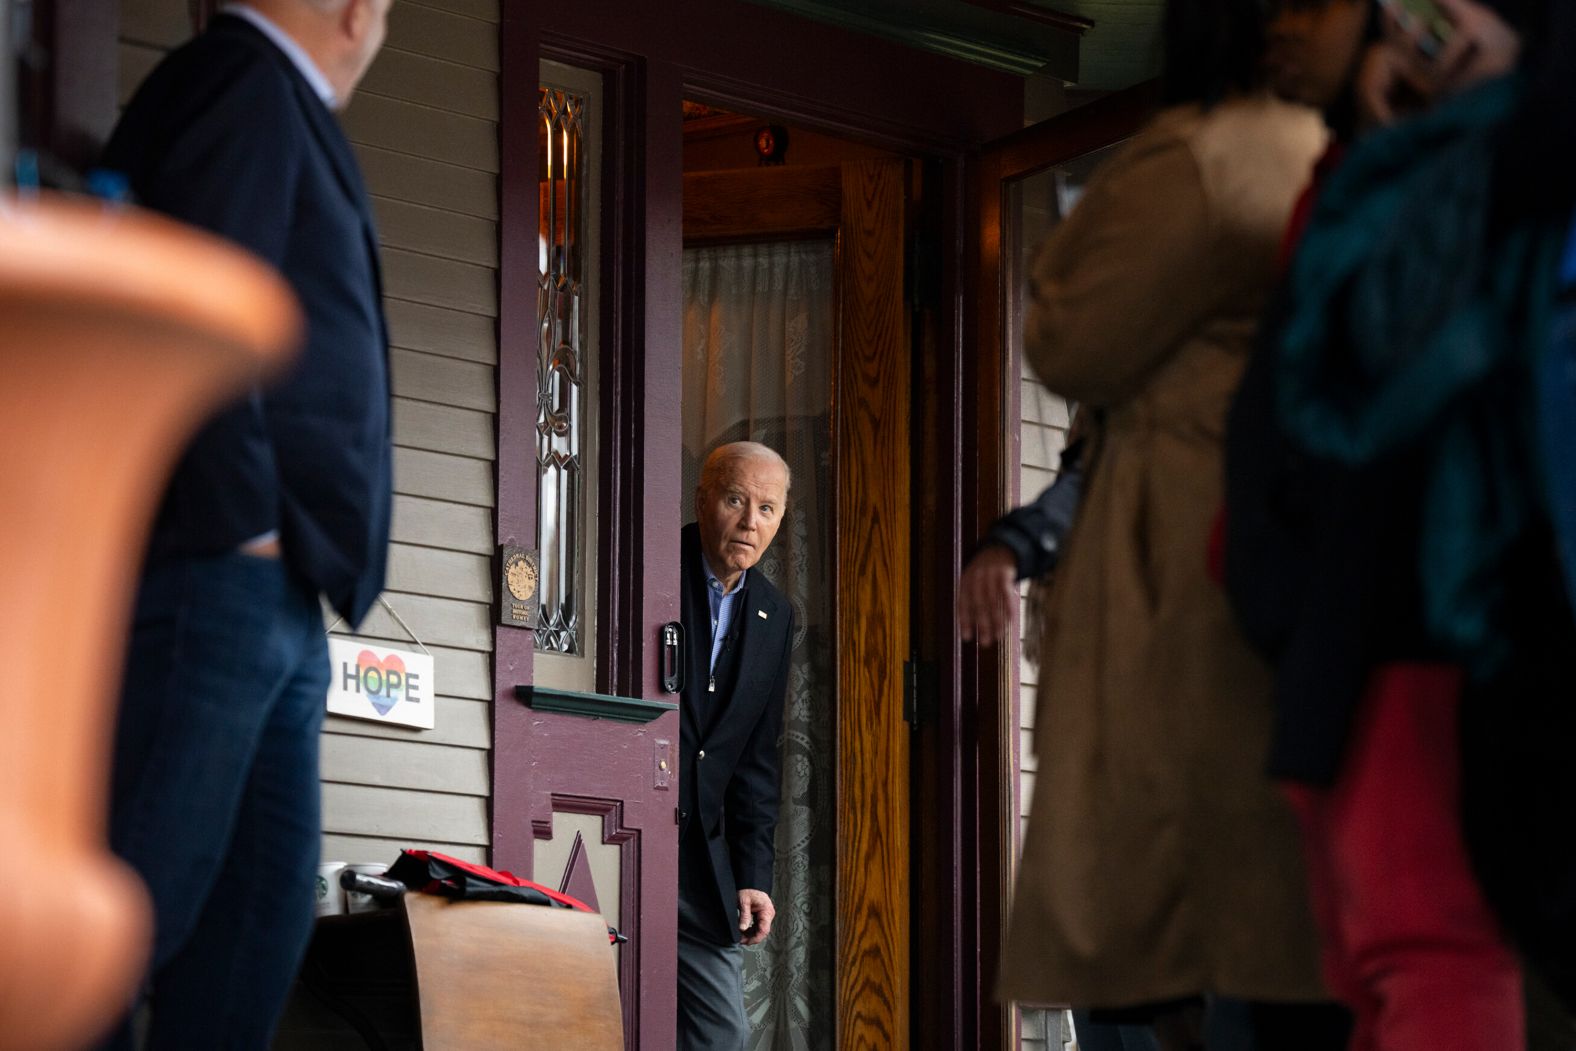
990,54
593,705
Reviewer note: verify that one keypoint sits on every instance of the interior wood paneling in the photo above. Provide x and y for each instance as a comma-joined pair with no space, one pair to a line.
404,127
434,523
422,765
873,574
444,429
422,180
403,814
440,282
437,231
439,476
757,205
428,81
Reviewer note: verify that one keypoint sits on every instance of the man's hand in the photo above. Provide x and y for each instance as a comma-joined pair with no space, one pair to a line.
987,594
1398,76
756,912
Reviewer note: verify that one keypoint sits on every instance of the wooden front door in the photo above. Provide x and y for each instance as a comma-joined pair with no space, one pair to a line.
859,208
744,58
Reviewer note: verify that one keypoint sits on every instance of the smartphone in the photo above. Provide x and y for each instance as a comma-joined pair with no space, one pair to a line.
1434,28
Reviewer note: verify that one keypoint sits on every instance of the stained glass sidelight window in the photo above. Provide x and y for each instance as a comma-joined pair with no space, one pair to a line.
564,532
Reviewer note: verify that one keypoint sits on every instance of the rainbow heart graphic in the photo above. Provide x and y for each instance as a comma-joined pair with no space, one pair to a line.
382,682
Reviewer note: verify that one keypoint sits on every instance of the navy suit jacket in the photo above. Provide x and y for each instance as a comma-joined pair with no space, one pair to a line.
732,793
227,135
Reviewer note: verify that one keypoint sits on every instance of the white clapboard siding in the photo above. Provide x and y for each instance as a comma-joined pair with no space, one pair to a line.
373,849
433,621
463,722
484,10
434,523
442,333
422,131
1042,434
415,817
440,428
157,23
412,77
447,381
420,180
440,573
440,282
458,38
413,764
458,479
424,126
463,238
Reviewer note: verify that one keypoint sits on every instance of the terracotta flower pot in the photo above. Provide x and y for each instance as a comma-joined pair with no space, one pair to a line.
119,333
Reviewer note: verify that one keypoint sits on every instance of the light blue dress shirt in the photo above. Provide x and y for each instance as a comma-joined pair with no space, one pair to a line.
293,51
721,614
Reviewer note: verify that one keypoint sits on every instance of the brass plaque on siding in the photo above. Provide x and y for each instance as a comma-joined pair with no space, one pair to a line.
518,575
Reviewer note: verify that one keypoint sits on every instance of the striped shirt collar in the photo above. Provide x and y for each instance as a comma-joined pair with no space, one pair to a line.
715,584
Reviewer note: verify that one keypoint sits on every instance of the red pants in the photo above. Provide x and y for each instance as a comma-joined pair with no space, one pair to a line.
1409,942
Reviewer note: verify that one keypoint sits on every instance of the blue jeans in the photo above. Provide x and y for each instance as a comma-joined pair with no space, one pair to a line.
215,797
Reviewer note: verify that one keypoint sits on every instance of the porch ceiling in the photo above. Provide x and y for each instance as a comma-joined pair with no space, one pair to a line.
1095,44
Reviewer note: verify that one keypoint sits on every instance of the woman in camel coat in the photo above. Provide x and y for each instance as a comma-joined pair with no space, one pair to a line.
1159,861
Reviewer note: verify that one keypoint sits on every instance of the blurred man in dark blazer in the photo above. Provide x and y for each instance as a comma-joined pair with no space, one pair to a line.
281,499
739,629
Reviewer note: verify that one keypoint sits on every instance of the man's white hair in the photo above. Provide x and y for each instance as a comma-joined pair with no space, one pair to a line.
722,455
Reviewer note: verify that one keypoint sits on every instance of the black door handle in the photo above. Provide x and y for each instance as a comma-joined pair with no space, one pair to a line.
672,657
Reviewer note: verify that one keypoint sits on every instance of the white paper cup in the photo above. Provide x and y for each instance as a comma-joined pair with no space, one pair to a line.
355,902
330,898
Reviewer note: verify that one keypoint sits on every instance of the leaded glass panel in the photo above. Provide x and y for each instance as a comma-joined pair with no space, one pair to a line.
561,398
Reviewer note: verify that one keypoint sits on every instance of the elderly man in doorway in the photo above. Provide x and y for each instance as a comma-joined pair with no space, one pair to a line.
282,499
739,630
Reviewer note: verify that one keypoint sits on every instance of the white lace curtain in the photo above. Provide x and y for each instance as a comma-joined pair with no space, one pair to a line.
759,321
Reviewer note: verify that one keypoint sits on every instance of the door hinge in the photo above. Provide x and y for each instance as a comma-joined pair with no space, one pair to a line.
920,702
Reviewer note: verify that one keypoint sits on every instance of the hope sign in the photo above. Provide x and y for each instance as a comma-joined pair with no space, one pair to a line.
384,682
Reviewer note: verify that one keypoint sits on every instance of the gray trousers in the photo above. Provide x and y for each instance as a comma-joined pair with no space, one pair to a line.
711,991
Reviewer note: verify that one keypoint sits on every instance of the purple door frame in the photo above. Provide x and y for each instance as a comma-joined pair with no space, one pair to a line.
779,66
